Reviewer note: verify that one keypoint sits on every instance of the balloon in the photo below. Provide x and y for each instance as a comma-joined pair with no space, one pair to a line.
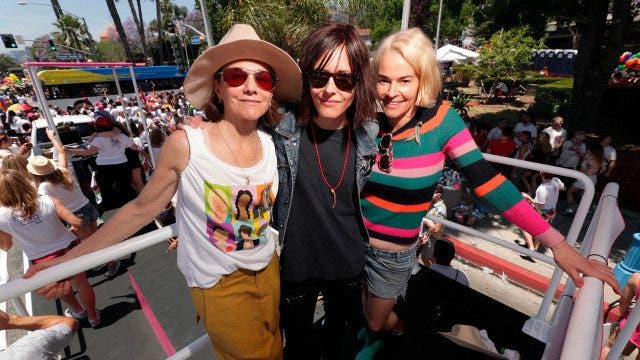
625,56
621,67
629,63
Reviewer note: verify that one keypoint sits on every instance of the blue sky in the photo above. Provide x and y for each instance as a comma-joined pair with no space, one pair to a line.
31,21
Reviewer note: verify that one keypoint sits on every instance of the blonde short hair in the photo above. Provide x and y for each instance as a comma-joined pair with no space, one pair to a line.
416,49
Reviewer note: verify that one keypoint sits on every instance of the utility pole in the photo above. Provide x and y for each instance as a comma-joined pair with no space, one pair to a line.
207,24
406,5
438,25
160,30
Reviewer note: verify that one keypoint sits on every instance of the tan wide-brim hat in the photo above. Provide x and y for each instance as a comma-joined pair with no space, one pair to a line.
242,43
40,165
469,337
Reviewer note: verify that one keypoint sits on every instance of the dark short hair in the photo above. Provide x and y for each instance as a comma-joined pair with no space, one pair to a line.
444,251
507,131
320,43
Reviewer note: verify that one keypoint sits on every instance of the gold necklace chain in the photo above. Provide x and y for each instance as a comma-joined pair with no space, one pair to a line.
246,176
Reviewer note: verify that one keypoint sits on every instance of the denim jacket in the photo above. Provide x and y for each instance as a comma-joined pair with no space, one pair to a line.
286,137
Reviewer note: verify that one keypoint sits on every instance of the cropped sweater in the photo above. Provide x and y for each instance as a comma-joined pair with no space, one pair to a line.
394,203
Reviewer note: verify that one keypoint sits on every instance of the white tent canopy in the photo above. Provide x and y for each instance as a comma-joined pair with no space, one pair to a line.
452,53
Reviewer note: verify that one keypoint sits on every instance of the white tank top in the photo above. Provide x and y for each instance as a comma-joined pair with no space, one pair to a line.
73,200
39,235
222,222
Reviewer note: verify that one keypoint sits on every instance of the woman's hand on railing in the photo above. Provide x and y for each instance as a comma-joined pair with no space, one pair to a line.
53,290
572,263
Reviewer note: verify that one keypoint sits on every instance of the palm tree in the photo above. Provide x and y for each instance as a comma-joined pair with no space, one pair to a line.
57,10
111,5
139,26
69,32
159,30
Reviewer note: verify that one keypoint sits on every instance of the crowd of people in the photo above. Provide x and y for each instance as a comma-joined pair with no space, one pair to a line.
289,187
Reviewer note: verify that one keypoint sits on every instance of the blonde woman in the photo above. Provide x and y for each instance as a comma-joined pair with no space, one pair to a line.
417,132
34,222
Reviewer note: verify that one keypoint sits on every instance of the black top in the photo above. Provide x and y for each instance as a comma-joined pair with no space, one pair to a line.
321,242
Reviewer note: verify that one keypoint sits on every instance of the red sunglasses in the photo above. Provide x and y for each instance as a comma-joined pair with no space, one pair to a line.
235,77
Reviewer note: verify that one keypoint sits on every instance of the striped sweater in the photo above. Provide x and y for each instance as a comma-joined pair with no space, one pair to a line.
393,204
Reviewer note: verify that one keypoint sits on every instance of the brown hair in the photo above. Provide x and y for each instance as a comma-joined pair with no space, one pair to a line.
17,163
156,137
57,177
16,192
320,45
214,108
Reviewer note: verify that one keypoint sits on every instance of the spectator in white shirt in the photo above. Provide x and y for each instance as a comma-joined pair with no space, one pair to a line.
557,134
496,132
443,253
525,124
610,155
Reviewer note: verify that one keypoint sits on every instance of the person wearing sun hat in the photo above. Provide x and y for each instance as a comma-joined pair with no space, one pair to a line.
226,175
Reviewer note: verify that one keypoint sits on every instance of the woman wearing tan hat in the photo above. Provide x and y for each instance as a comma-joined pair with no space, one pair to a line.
325,151
221,172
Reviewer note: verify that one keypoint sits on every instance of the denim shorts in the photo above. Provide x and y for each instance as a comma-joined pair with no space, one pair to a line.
388,272
87,214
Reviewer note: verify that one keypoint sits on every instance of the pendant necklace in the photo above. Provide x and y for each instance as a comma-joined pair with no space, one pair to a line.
332,189
245,175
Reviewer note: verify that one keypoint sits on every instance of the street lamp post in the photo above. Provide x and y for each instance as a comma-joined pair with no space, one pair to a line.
84,22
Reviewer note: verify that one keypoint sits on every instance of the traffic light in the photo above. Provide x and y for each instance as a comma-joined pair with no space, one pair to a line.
52,46
9,41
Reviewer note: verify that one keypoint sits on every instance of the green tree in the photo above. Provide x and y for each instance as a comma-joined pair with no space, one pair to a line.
600,41
282,22
491,16
110,51
7,63
383,18
506,54
69,32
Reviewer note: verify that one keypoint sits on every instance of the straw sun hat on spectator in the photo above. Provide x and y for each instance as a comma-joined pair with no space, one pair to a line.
40,165
242,43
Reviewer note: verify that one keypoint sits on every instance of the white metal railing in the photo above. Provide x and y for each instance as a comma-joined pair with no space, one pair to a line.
4,277
539,329
537,326
583,338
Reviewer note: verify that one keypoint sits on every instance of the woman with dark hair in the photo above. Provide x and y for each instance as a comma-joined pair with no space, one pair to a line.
113,174
325,150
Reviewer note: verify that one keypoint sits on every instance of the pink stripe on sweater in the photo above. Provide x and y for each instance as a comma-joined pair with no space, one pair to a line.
525,217
458,139
418,161
462,149
411,173
390,230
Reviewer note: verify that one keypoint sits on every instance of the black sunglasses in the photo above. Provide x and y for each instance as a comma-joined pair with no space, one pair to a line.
386,153
343,81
